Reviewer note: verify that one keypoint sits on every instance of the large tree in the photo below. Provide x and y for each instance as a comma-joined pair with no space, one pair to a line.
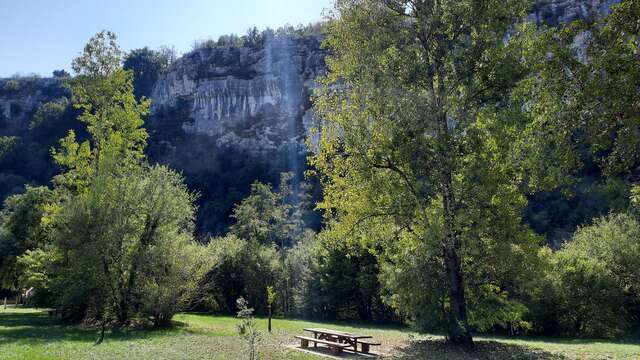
582,94
410,147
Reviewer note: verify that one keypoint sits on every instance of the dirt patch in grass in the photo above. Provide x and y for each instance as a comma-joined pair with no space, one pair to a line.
483,350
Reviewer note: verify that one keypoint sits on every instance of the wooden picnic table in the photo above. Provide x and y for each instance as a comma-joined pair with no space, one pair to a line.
338,336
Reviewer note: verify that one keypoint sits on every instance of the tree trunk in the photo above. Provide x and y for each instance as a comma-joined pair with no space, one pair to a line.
123,311
458,326
103,326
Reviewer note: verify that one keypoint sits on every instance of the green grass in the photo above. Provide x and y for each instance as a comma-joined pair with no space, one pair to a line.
31,334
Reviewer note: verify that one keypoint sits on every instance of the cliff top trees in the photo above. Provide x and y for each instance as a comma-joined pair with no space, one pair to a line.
410,148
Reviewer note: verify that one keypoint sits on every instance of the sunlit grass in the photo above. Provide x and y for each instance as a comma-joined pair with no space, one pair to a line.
32,334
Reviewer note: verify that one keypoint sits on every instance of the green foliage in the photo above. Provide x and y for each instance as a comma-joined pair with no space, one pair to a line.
586,297
104,93
238,267
590,286
6,145
113,240
125,245
414,148
578,98
342,282
271,295
613,240
268,217
22,230
61,74
47,113
257,38
147,65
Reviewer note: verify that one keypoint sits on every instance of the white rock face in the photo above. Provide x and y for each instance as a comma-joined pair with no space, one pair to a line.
553,12
254,98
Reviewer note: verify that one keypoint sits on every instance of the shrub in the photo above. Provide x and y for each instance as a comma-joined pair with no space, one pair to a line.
591,286
248,329
238,267
126,248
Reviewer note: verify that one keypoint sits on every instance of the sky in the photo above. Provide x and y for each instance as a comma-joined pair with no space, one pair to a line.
39,36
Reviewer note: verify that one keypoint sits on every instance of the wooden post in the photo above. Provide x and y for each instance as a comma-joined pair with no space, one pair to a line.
5,303
269,318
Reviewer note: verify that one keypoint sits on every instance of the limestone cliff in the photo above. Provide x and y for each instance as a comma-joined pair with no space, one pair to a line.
254,98
554,12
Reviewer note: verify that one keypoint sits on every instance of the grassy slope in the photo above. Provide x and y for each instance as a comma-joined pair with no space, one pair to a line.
30,334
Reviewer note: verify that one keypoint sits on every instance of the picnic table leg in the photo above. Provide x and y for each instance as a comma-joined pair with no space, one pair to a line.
365,348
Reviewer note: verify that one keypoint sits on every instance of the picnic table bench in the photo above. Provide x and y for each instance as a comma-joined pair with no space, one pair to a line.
337,340
336,347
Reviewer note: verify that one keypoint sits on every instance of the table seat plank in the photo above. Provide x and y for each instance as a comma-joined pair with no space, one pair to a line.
336,347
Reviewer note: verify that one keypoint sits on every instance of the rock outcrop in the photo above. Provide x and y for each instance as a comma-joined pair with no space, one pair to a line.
20,99
254,98
554,12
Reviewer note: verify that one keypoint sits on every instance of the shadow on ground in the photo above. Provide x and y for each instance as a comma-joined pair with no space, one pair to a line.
324,351
483,350
38,327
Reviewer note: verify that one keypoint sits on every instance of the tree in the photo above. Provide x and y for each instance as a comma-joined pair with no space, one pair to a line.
146,65
582,92
121,232
587,295
61,74
238,267
104,93
22,230
402,152
613,240
269,217
125,242
248,329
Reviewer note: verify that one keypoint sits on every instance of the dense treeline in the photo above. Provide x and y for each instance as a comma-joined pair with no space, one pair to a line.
442,122
257,38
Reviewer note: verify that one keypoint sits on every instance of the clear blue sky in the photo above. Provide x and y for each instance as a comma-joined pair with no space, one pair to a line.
39,36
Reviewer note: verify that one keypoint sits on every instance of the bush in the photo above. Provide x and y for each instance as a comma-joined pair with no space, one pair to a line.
238,268
591,285
587,298
126,248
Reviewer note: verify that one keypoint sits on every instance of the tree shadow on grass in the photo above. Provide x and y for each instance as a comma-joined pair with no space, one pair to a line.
38,327
483,350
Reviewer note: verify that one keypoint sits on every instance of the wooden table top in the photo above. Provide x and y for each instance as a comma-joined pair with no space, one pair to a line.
337,333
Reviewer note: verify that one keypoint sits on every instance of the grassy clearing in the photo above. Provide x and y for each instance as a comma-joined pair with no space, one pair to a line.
31,334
